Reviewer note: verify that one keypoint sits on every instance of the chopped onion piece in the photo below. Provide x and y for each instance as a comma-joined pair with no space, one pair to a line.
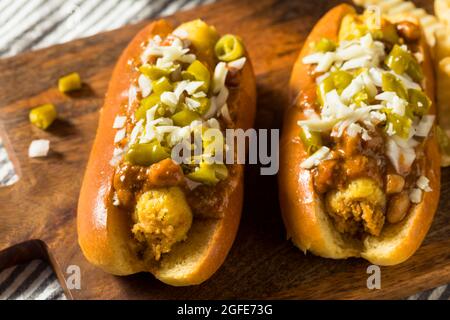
192,104
220,74
170,99
237,64
326,62
424,126
423,183
120,134
145,85
313,58
39,148
415,195
315,158
119,122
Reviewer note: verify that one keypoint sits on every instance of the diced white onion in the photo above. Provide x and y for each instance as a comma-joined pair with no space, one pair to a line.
315,158
192,104
170,99
120,134
415,195
38,148
119,122
326,62
424,126
313,58
424,184
220,74
237,64
222,97
136,131
132,93
145,85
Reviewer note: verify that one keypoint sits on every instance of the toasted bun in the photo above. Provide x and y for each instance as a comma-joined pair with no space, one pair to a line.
104,231
304,215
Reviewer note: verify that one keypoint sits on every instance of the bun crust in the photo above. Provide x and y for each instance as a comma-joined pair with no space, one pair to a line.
104,231
303,210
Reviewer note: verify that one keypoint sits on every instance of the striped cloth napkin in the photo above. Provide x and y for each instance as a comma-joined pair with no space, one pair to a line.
33,24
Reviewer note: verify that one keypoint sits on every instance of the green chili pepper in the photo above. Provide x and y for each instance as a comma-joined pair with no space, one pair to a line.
419,102
209,174
43,116
184,117
325,45
199,72
145,154
338,80
400,124
229,48
154,72
389,82
161,85
401,61
312,141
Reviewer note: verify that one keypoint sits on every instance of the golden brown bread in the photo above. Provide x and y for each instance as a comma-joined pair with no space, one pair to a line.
104,231
303,211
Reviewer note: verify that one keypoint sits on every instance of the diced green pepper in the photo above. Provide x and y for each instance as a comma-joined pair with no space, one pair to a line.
419,102
338,80
229,48
200,72
154,72
69,82
184,117
146,104
161,85
312,141
209,174
361,97
401,61
145,154
325,45
43,116
389,82
400,124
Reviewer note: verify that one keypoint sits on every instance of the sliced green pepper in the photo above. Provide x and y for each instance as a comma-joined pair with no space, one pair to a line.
325,45
389,82
154,72
145,154
43,116
199,72
400,124
361,97
184,117
146,104
209,174
401,61
419,102
338,80
70,82
312,142
229,48
161,85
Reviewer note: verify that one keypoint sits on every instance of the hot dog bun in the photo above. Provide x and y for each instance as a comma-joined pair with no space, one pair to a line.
104,230
303,210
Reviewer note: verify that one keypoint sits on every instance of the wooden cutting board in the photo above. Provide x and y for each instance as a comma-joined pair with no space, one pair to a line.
41,207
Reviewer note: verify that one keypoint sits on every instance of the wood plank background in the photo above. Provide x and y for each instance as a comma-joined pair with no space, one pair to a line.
41,207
